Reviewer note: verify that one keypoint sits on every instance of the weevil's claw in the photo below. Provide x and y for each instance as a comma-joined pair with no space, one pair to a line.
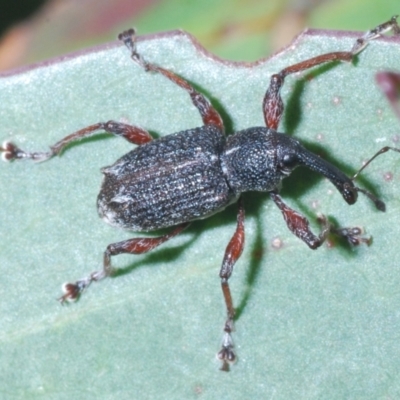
72,291
9,151
128,38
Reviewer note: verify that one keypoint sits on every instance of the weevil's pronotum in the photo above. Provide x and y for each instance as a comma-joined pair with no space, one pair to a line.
195,173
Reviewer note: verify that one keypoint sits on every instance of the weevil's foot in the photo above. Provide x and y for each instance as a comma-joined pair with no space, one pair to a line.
9,151
388,26
72,291
128,38
353,235
226,354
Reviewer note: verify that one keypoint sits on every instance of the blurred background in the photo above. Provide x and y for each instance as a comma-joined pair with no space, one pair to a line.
241,30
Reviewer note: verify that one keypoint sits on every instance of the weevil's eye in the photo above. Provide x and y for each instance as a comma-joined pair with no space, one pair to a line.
289,161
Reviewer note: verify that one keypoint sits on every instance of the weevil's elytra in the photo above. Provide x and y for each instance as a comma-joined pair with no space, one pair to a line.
166,182
189,175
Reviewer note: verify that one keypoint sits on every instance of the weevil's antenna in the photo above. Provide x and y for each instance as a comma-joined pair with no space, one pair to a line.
379,204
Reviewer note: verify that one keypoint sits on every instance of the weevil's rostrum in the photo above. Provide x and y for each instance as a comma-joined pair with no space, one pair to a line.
170,182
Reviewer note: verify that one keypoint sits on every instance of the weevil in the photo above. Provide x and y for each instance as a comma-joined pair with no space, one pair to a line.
193,174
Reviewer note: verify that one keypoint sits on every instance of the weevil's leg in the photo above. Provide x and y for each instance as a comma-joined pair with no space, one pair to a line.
131,133
208,113
72,291
299,225
232,254
273,104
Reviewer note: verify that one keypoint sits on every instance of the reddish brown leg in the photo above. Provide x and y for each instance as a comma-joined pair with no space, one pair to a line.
132,246
273,104
232,254
208,113
131,133
299,225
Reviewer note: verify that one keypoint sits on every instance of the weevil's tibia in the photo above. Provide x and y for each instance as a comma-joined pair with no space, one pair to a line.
209,114
232,253
299,226
132,134
72,291
273,105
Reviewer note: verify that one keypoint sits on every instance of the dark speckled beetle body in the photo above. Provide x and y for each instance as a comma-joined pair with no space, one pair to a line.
195,173
165,182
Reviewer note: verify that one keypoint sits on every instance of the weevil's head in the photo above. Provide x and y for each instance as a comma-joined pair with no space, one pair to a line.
257,159
290,153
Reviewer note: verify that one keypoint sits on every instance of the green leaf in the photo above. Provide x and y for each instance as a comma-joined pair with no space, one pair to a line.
311,324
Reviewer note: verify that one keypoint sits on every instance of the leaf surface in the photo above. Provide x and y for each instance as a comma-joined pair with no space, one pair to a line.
311,324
